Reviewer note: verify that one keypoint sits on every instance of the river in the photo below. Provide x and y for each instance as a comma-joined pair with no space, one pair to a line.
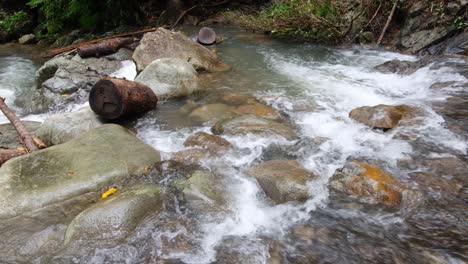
315,87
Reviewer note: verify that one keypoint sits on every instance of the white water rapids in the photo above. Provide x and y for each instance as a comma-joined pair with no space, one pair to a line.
330,83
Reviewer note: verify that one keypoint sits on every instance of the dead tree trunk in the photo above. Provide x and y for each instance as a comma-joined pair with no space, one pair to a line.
390,17
114,98
6,154
104,48
24,134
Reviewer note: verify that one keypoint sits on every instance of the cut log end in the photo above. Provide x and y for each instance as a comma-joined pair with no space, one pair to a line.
105,100
114,98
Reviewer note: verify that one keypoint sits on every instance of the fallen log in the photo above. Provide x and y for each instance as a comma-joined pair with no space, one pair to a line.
26,137
103,48
114,98
7,154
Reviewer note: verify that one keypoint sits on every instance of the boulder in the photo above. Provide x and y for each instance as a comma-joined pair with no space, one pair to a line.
164,43
117,216
252,124
455,45
170,78
60,128
190,156
283,180
383,116
399,67
419,40
95,160
238,99
211,112
258,110
9,136
67,79
27,39
202,186
214,144
368,182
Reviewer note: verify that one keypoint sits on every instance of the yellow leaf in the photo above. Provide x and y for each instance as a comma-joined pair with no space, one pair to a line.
21,148
108,193
64,95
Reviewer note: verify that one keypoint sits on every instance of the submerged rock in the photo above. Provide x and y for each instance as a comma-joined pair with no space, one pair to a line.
86,164
60,128
282,180
383,116
117,216
9,136
399,67
238,99
170,78
211,112
190,156
214,144
252,124
261,110
163,43
202,186
369,182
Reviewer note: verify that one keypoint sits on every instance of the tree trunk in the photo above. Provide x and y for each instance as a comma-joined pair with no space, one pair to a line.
390,17
6,154
114,98
24,134
104,48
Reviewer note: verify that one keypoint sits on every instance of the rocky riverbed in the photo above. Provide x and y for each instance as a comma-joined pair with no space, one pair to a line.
260,151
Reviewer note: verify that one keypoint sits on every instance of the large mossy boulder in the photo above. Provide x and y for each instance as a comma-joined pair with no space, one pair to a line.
170,78
164,43
117,216
9,136
384,116
60,128
95,160
252,124
282,180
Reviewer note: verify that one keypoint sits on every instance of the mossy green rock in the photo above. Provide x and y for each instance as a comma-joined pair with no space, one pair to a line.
86,164
60,128
9,136
117,216
202,186
252,124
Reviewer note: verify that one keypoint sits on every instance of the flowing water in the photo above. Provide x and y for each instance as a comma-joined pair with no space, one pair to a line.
315,88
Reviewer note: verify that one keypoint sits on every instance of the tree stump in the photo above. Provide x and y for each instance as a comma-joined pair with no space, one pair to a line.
114,98
104,48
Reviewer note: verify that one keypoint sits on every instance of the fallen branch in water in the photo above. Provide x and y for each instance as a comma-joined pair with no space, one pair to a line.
55,52
390,17
26,137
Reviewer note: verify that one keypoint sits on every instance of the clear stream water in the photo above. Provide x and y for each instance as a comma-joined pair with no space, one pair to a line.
316,88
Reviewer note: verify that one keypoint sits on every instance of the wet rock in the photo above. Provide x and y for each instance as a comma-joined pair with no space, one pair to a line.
383,116
258,110
27,39
190,156
66,79
399,67
163,43
9,136
202,186
309,234
419,40
455,45
235,249
211,112
86,164
238,99
368,182
117,216
170,78
252,124
295,151
214,144
60,128
282,180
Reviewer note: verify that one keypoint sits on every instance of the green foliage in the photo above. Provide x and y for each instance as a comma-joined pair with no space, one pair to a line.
319,20
9,22
460,23
88,14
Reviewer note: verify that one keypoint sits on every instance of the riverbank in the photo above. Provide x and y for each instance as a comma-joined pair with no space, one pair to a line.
284,158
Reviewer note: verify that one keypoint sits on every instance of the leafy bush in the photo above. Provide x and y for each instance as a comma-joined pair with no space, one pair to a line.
9,22
88,14
319,20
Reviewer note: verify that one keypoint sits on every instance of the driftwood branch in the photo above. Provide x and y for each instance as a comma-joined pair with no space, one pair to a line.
23,132
55,52
6,154
388,23
105,47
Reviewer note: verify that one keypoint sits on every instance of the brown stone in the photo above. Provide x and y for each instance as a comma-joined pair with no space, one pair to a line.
383,116
214,144
190,156
259,110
